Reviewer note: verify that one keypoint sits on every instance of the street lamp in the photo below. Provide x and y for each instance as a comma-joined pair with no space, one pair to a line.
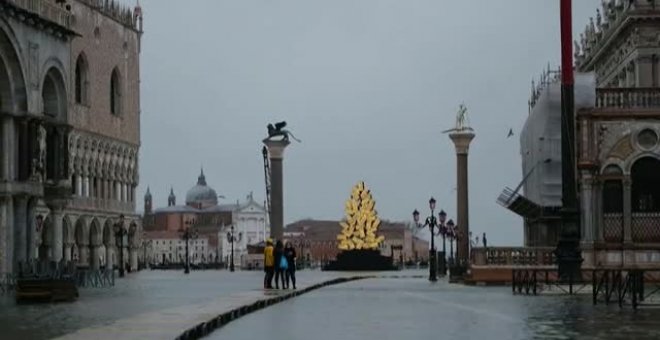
232,238
432,223
451,233
120,232
186,235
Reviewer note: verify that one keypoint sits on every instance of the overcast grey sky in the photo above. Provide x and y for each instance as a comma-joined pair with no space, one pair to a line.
367,85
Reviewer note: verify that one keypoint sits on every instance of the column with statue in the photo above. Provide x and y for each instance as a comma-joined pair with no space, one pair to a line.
461,135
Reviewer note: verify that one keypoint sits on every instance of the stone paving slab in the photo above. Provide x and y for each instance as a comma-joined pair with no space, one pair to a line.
187,321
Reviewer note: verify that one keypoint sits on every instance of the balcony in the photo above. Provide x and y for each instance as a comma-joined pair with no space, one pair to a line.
628,98
46,10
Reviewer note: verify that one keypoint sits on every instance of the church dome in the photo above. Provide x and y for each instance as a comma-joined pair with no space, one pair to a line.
201,195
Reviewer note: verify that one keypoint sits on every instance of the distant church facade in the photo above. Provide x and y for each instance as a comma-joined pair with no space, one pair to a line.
209,221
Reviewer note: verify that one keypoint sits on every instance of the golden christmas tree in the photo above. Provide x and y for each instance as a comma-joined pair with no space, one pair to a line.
359,229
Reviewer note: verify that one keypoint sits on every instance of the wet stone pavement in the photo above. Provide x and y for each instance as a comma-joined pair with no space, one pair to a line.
138,293
416,309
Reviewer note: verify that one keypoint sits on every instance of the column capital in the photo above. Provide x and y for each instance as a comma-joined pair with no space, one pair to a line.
276,147
462,141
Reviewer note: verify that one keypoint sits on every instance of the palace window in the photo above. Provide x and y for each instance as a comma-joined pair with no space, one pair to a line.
81,78
115,93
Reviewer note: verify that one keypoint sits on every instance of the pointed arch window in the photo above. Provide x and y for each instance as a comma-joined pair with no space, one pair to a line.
115,93
82,80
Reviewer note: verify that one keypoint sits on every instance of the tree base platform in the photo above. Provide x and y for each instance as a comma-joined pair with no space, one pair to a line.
361,260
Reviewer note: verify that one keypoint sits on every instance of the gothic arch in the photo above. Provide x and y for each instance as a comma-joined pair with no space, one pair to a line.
81,80
53,93
13,94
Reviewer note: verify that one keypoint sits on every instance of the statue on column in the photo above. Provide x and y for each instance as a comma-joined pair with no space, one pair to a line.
278,130
461,120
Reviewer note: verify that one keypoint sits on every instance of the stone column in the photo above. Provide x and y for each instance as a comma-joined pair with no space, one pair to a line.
627,210
95,256
8,143
20,226
32,230
83,253
79,186
5,248
58,241
598,211
109,262
67,251
9,234
587,209
276,154
462,139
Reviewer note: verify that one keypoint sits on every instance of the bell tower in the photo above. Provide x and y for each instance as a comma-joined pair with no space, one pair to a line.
147,202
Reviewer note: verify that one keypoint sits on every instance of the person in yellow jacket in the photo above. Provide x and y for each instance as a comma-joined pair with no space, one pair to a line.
269,264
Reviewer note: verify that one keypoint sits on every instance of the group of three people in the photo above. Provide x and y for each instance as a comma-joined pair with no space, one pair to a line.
280,263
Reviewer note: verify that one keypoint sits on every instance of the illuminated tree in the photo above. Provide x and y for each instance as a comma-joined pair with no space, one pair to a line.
358,230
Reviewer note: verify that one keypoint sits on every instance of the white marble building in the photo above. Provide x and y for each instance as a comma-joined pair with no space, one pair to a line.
250,227
168,247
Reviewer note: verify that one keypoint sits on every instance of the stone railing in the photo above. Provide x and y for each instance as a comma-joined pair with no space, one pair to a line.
513,256
47,10
628,98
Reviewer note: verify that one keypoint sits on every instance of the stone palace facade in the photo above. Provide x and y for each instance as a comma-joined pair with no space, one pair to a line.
69,131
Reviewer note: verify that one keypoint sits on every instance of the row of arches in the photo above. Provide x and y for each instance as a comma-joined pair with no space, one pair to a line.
635,197
82,90
102,169
88,242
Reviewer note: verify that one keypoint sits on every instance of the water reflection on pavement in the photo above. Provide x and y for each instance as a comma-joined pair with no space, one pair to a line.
415,309
137,293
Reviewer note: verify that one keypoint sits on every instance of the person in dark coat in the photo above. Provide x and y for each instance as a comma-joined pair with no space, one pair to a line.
290,254
279,271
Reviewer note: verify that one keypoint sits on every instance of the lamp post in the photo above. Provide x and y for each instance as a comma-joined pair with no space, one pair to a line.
432,223
120,232
231,237
451,233
186,235
442,229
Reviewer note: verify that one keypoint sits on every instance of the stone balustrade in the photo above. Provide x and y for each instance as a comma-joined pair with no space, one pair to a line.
47,10
513,256
628,98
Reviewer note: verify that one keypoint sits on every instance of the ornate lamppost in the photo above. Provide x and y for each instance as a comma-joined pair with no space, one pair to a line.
231,237
432,223
451,234
186,234
120,232
442,229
